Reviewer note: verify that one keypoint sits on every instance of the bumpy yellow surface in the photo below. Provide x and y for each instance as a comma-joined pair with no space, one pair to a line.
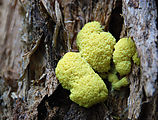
96,46
76,75
124,51
87,30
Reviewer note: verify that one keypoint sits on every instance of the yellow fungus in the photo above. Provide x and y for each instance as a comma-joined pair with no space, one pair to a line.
76,75
121,83
124,51
112,78
96,46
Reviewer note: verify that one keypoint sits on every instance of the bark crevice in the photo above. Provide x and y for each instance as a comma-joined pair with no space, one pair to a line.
116,20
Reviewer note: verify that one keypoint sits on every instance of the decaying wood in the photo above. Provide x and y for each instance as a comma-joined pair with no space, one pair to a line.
35,34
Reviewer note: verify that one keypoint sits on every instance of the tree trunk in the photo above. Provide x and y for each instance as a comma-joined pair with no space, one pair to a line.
35,34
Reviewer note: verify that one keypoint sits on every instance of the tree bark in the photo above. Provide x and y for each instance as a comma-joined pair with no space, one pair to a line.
140,22
35,34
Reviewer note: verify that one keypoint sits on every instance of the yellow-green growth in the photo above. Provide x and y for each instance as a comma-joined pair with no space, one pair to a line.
96,46
124,51
76,75
123,67
121,83
112,78
136,59
87,30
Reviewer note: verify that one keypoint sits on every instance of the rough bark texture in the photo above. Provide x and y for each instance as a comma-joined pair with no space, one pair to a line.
35,34
140,24
10,54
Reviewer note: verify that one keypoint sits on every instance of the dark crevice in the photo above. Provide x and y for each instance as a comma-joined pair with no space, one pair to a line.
94,2
58,102
146,113
149,108
157,107
116,21
42,110
157,14
1,2
61,44
143,110
60,97
157,22
36,60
